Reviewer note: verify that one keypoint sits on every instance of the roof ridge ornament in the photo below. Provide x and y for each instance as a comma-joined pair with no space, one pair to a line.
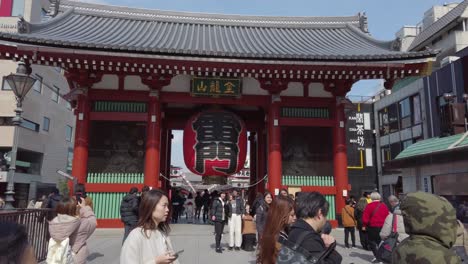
363,24
23,25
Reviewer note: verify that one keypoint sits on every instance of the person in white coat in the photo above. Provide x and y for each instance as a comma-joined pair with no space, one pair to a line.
149,242
400,225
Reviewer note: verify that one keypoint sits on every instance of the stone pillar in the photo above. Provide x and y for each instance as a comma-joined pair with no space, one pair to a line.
153,140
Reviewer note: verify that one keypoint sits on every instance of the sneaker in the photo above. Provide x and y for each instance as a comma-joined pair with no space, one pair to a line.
237,248
373,260
218,250
230,248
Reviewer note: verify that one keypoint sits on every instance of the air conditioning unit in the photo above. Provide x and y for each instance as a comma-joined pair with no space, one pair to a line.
447,60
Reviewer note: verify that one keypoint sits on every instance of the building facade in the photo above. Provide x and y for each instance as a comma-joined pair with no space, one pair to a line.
45,142
416,109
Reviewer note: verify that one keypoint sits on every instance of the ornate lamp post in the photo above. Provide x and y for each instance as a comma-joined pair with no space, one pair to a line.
20,82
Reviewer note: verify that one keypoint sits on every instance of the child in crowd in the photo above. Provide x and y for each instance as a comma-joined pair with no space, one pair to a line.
248,230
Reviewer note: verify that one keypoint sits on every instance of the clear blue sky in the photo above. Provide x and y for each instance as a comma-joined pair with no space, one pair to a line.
385,18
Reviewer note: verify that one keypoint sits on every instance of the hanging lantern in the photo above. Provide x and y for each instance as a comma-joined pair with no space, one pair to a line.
215,143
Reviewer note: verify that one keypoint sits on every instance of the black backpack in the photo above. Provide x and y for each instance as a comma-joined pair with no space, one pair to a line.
293,253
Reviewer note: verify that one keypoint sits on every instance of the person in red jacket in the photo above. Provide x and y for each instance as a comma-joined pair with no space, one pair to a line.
373,219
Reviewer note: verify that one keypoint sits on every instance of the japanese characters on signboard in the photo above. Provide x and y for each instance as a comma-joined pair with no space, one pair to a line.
216,87
358,130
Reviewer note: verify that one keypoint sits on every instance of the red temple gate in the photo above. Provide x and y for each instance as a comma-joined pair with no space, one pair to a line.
130,90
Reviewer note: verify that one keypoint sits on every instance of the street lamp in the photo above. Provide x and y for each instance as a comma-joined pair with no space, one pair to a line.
20,82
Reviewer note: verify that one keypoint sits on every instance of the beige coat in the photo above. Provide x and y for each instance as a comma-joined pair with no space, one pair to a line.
86,229
139,249
387,227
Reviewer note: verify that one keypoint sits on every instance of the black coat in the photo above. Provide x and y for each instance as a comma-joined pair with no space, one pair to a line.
129,209
312,242
54,200
217,210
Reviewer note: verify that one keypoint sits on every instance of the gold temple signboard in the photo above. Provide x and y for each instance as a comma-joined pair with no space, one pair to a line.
216,87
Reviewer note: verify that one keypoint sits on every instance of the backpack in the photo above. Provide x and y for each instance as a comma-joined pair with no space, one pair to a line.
59,252
293,253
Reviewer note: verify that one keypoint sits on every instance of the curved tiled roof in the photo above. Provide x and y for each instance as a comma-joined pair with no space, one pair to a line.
111,28
442,23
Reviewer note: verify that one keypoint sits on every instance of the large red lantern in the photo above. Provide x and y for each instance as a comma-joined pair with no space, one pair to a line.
215,143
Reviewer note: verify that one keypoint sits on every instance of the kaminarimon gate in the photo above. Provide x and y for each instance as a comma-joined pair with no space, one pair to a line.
136,75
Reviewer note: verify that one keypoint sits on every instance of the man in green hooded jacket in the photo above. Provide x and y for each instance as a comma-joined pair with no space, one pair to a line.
431,224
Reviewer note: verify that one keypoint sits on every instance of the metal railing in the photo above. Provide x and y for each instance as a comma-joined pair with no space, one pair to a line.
35,221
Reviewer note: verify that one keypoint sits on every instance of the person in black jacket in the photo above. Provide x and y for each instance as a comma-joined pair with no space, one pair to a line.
311,212
129,211
206,205
218,216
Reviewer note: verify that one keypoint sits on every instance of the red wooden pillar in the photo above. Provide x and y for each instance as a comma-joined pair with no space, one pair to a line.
340,161
254,177
261,160
275,168
153,140
80,151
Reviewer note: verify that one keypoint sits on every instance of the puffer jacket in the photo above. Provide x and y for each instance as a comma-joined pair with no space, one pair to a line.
129,209
431,224
86,229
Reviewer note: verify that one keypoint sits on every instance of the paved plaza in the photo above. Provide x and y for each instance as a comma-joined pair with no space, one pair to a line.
198,242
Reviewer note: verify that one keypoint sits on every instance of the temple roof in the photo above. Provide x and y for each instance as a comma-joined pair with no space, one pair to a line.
89,26
435,29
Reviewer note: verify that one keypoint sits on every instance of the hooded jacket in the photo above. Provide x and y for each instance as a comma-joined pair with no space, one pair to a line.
86,229
431,225
64,226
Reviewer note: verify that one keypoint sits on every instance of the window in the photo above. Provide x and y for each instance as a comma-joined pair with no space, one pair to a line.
55,94
393,118
406,143
68,133
383,122
405,113
386,156
5,85
405,109
46,124
18,8
395,149
38,84
416,109
29,125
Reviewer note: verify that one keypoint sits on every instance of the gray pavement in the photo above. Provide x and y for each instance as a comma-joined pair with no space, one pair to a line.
197,240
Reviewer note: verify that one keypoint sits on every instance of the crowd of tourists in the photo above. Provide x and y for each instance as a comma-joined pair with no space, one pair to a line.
281,228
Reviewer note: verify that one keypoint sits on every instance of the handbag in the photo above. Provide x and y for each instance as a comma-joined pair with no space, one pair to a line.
384,252
293,253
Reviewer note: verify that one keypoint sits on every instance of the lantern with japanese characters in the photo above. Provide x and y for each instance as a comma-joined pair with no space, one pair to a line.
215,143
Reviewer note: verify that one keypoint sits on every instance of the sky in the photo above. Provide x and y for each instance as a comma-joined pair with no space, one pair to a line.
385,18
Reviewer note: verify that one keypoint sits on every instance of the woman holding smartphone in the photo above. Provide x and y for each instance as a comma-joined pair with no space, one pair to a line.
149,242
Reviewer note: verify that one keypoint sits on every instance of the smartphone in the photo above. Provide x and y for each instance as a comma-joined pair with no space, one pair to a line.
176,255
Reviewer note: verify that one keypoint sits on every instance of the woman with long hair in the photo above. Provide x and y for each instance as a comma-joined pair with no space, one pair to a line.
262,212
280,216
149,242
